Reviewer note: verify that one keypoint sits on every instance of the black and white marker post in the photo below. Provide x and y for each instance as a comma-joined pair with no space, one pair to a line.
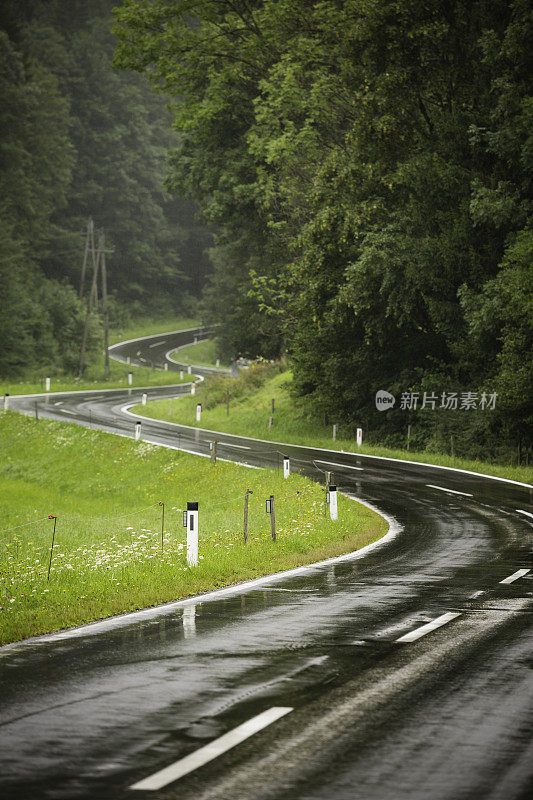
143,399
130,378
333,502
286,466
359,437
193,388
137,431
190,520
198,412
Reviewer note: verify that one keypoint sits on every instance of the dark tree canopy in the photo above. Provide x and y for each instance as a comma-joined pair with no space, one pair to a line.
368,168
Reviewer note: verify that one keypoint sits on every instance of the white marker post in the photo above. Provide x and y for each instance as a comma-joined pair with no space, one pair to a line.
181,374
333,503
137,431
218,362
6,401
189,369
335,427
286,466
130,378
198,412
165,367
143,399
47,384
190,518
193,389
359,437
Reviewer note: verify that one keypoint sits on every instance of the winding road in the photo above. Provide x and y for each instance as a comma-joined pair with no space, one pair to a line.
402,673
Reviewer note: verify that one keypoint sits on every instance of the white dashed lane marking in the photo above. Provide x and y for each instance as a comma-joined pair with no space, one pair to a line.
430,626
212,750
514,577
340,466
445,489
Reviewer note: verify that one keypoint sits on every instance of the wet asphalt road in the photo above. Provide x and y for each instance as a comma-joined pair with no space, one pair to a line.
448,715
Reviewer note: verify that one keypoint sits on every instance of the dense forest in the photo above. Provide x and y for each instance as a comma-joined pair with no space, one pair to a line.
80,138
368,169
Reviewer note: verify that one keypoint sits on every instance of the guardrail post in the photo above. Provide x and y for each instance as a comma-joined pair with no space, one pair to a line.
51,516
329,476
246,495
271,509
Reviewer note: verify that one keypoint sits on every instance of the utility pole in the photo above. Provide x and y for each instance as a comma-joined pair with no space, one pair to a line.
101,248
90,226
92,294
94,287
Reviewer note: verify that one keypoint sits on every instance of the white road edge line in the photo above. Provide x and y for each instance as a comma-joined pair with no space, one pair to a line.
212,750
430,626
202,455
514,577
153,336
527,513
326,450
157,344
334,464
444,489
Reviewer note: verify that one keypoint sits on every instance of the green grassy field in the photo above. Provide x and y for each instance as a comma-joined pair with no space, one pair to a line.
109,553
250,410
95,375
202,354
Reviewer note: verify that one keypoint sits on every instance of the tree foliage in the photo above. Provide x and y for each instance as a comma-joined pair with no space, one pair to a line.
80,138
368,167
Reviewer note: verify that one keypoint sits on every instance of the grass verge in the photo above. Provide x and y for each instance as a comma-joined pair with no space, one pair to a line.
250,406
104,562
118,373
203,354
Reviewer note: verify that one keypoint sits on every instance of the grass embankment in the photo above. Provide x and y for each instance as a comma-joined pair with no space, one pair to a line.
103,562
203,354
250,408
94,377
